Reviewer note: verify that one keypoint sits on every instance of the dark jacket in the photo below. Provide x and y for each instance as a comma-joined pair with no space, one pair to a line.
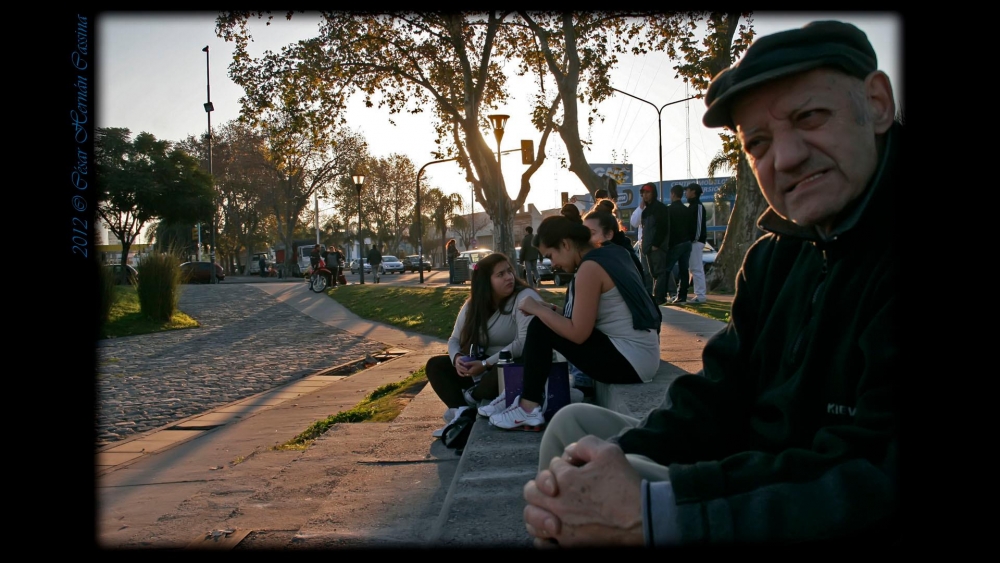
614,260
374,257
698,215
621,240
655,222
682,225
790,432
528,250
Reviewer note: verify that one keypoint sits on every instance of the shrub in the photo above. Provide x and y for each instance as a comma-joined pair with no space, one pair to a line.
107,289
159,285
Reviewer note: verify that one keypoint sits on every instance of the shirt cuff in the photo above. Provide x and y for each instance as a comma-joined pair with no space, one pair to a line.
659,514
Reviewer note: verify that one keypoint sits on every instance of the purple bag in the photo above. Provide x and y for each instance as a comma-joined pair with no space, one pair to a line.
511,380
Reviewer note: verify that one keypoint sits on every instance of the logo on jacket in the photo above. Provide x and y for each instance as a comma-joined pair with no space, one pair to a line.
840,409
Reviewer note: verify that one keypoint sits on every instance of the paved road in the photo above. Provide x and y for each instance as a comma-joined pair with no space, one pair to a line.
247,343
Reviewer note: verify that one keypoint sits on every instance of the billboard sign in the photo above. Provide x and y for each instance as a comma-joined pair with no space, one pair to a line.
622,173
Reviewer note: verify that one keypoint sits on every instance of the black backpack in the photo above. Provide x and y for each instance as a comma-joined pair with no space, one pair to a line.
456,434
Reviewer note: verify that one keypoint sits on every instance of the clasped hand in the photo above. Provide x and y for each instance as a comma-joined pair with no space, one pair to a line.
591,496
468,369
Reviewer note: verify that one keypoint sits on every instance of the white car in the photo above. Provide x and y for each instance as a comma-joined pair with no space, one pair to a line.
391,265
354,266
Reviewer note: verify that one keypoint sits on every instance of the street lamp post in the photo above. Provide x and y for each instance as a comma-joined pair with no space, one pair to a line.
209,108
420,230
659,128
499,121
359,180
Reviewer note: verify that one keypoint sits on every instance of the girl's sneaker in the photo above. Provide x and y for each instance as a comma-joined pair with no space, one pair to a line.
516,417
495,406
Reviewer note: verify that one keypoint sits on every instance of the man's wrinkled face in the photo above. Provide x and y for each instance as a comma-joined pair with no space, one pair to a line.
811,140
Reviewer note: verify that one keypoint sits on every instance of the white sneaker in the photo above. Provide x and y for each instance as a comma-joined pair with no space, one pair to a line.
496,405
449,414
516,417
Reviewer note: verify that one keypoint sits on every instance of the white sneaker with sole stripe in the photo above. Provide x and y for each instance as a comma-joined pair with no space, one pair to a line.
516,417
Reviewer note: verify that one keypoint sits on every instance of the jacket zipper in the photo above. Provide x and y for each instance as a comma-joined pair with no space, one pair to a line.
812,308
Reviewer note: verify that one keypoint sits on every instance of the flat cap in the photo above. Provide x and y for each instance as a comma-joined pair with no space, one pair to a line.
817,44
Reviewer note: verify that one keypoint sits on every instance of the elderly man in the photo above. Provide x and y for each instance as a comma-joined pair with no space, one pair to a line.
790,432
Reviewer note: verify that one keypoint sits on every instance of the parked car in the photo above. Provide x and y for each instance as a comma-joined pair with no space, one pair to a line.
354,266
391,265
475,255
413,263
201,272
558,276
131,275
708,257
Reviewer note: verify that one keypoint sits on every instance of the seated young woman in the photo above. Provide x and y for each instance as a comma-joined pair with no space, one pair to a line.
604,233
489,321
609,327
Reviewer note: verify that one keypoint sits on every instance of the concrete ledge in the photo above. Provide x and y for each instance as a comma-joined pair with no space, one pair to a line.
488,488
638,399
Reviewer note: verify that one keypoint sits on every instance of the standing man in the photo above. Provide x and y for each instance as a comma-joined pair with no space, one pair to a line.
262,266
693,193
680,232
529,257
655,227
333,264
791,431
375,259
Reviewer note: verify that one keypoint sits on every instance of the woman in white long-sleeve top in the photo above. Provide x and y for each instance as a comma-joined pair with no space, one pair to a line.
489,321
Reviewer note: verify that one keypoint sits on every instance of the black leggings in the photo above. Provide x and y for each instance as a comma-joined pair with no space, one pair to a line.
596,356
448,385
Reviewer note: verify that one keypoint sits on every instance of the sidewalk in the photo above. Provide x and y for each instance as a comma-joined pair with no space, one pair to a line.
359,485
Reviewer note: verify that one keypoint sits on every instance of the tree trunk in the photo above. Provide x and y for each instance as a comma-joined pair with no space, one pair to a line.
741,232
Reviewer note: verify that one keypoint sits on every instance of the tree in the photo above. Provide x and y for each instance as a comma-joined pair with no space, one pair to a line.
724,41
304,161
242,180
574,50
446,62
146,178
442,211
463,228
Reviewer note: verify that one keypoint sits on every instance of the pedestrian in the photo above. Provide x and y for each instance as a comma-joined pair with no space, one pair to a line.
375,260
529,257
697,265
451,254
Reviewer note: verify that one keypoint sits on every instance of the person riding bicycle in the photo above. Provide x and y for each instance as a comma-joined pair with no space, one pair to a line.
374,258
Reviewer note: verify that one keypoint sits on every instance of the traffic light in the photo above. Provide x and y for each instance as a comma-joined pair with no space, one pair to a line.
527,151
565,198
194,233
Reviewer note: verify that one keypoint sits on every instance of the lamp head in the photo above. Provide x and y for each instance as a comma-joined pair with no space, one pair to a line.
499,122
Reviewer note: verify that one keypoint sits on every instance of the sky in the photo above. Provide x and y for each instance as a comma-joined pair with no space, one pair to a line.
152,76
